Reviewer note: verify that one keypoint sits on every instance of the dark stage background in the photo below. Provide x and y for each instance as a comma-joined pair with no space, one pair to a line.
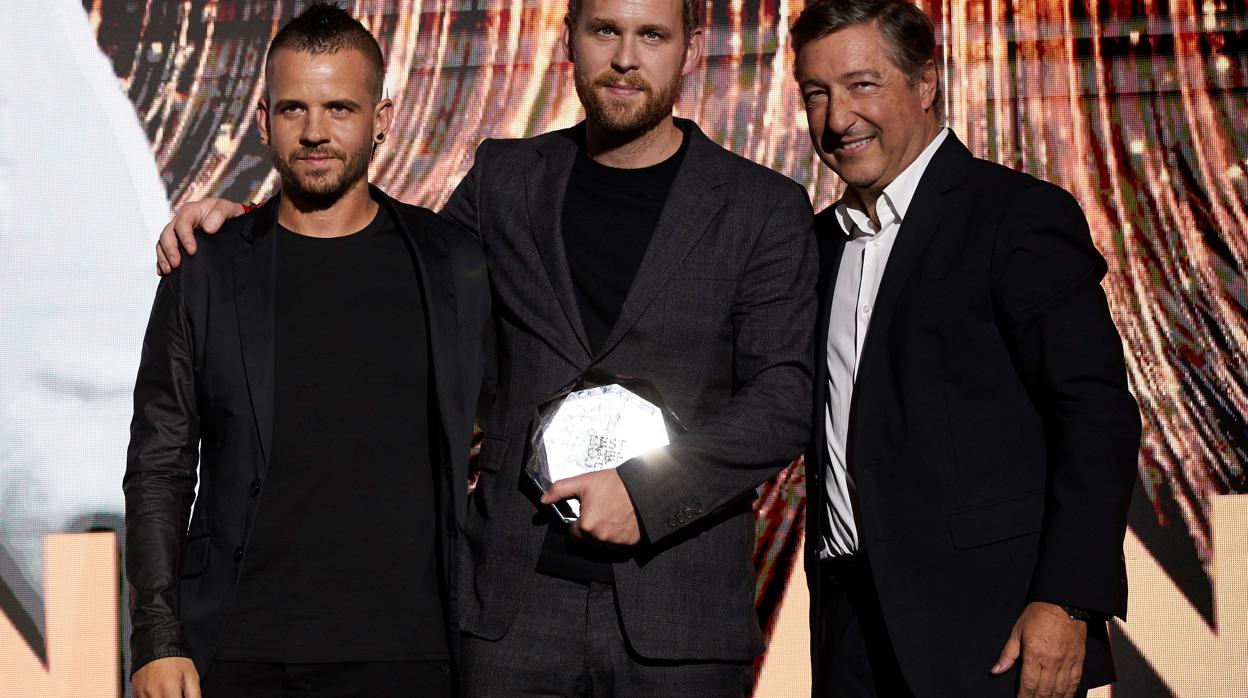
113,110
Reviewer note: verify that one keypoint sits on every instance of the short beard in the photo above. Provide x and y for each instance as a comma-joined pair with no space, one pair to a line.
623,121
321,192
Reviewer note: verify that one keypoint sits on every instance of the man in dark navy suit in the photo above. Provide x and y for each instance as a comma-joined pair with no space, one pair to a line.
975,442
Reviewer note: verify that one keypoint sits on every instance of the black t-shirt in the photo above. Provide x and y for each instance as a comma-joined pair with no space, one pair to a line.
342,562
609,216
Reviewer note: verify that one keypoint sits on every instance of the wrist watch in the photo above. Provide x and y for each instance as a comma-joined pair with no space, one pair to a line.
1077,613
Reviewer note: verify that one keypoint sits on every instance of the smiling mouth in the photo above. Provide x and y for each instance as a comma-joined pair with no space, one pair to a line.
854,146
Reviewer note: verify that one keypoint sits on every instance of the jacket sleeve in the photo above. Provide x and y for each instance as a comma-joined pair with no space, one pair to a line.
766,423
463,207
1056,322
160,478
462,211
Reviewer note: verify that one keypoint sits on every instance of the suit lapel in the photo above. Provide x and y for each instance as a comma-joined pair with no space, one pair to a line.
923,217
255,283
545,186
438,290
831,239
436,276
696,197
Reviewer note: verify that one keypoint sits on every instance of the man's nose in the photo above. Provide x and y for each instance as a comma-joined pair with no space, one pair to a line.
839,117
625,57
314,131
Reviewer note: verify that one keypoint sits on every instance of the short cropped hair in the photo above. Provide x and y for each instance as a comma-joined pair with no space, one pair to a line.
908,31
324,27
692,14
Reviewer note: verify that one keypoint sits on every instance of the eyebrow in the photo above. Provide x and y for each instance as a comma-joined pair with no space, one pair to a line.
597,23
855,74
661,29
344,103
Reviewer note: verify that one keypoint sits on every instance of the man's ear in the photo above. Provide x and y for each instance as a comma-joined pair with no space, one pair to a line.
693,52
929,80
383,119
565,38
262,119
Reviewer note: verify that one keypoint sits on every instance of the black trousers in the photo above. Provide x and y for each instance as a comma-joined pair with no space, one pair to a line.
567,642
856,658
330,680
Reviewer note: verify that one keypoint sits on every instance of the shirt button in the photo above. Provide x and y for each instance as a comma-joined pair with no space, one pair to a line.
866,309
255,488
238,554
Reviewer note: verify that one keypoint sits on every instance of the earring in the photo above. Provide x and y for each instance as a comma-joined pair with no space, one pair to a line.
381,137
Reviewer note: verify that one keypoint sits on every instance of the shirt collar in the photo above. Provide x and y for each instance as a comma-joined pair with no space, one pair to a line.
895,201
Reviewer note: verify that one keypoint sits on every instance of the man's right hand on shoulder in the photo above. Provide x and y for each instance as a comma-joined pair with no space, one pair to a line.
170,677
206,215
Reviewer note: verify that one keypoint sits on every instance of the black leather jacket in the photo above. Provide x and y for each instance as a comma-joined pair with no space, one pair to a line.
204,397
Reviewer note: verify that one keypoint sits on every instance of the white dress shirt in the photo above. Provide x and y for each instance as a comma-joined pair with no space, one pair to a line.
862,266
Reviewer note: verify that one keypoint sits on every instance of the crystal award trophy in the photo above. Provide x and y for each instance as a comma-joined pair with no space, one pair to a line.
598,423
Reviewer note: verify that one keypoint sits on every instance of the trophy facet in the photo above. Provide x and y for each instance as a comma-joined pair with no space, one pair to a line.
598,424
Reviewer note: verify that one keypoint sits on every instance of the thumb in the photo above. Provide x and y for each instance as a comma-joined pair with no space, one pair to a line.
1009,654
562,489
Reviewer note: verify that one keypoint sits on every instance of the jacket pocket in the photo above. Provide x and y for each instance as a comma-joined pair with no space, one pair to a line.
490,457
195,557
998,521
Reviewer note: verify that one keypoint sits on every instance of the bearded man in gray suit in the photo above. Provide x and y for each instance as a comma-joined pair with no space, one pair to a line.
629,243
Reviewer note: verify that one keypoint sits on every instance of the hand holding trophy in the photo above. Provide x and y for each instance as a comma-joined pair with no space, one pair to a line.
597,424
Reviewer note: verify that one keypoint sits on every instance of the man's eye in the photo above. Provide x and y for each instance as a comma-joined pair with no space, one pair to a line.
814,98
606,31
653,36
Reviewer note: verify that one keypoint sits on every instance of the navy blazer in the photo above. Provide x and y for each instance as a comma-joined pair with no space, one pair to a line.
992,437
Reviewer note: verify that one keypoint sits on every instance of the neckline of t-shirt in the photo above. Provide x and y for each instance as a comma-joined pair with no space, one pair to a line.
663,171
364,233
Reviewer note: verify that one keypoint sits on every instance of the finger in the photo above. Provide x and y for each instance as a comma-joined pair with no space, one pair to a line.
1046,680
1009,654
190,685
562,489
577,532
1073,677
162,262
184,226
1029,678
168,243
213,221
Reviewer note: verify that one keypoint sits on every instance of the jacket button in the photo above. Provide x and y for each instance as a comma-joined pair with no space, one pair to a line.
697,508
673,522
255,488
238,554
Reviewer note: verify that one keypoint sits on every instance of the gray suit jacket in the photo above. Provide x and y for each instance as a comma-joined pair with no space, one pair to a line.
720,317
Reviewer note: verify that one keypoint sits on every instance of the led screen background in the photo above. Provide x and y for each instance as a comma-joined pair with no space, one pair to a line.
114,110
